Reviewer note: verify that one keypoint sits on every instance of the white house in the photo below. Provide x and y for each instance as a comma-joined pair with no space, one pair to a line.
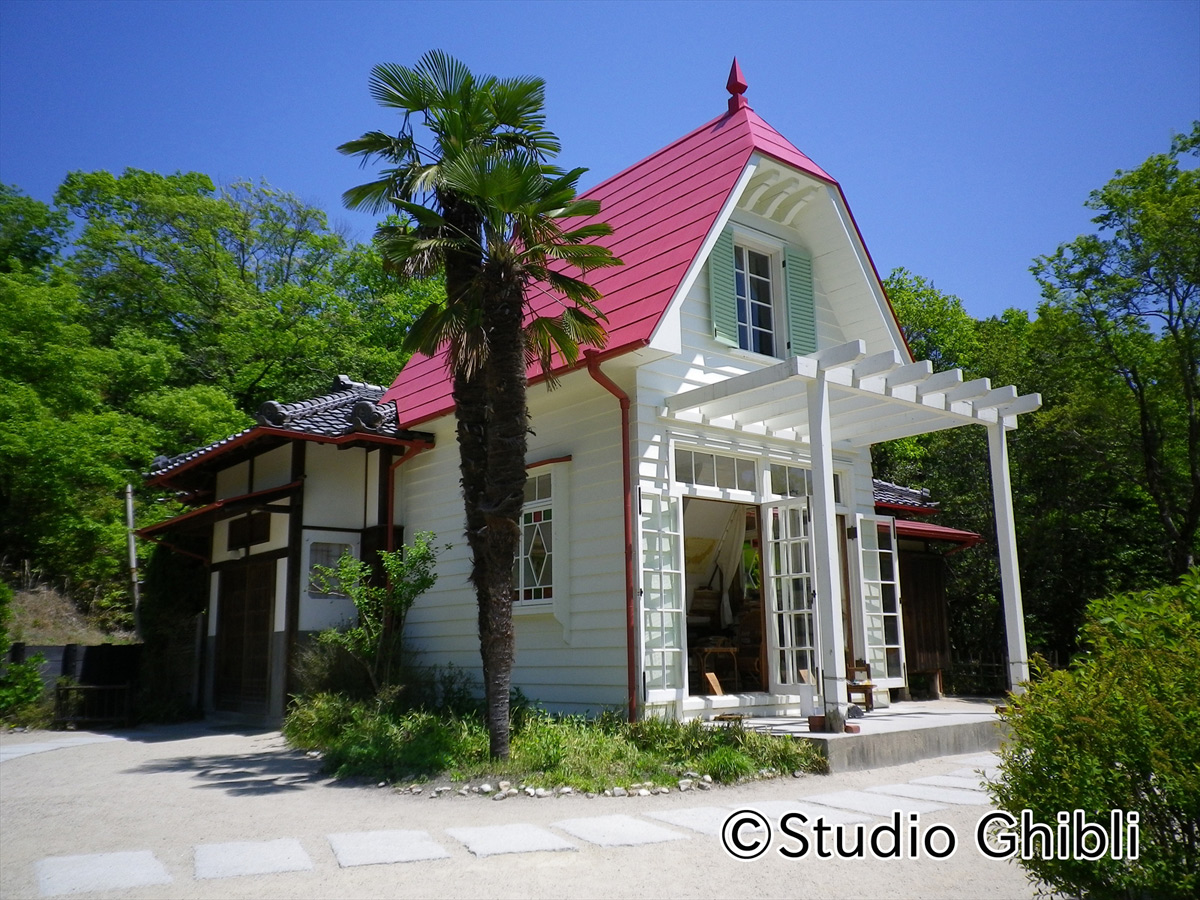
700,499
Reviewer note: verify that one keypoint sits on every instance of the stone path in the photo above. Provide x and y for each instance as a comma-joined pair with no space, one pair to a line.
116,871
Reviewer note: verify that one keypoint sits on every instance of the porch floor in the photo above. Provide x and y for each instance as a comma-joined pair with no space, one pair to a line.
901,733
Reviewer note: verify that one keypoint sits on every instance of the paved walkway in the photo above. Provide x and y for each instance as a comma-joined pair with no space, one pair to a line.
190,813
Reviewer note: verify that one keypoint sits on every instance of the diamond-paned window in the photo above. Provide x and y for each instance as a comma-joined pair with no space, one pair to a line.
533,571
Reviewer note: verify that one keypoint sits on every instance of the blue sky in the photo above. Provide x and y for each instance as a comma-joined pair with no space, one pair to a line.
965,135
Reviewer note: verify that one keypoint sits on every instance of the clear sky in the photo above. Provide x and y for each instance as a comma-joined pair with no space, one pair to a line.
966,135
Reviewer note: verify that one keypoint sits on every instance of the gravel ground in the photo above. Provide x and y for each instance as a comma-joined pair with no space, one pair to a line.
191,811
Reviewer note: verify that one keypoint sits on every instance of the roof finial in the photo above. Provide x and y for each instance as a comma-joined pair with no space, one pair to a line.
736,87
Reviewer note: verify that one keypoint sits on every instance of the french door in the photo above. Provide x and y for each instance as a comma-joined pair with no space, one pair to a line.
879,574
791,621
661,533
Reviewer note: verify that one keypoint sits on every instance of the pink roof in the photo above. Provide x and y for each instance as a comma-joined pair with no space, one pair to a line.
660,209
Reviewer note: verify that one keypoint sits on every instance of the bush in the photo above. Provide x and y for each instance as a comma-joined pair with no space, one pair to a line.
1118,731
21,691
379,740
20,683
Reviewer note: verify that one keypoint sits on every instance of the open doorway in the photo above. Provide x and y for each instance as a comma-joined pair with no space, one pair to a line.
723,578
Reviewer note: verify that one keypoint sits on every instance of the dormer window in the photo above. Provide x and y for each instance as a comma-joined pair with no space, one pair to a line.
754,287
762,295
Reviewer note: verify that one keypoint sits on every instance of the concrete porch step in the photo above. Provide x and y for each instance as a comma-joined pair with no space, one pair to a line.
904,732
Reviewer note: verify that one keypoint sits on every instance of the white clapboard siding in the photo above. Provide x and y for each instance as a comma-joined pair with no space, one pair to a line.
573,662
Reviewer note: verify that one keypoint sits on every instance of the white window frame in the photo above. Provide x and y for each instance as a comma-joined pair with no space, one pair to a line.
773,250
560,582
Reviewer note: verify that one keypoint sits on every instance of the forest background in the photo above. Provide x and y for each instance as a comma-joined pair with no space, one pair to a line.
145,314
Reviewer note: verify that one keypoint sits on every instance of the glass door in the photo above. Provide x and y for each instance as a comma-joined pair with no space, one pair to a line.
879,575
661,527
791,623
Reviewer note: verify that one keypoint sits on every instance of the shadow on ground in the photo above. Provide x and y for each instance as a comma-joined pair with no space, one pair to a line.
243,774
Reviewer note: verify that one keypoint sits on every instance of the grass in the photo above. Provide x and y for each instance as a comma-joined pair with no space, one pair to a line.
359,739
44,617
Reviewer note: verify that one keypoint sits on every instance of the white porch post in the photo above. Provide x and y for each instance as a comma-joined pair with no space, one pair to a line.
826,564
1006,546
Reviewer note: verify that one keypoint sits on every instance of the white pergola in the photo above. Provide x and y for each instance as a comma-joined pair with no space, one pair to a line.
841,398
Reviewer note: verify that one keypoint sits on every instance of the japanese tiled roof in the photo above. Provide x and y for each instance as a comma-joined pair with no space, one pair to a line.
889,494
660,209
349,407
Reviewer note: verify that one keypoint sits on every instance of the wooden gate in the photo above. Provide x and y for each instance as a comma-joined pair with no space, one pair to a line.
243,651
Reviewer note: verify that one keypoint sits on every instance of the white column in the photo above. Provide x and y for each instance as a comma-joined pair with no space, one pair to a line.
1006,546
826,563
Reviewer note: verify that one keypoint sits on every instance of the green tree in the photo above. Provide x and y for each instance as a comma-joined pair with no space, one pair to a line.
1134,289
31,233
457,113
180,310
248,284
1084,528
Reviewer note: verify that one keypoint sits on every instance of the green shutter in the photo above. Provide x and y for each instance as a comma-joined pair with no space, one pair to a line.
802,312
721,291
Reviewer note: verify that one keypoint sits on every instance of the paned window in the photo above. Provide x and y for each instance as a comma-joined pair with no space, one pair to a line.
326,554
755,292
714,470
533,571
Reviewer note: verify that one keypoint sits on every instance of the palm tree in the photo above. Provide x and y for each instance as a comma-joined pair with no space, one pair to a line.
478,187
533,231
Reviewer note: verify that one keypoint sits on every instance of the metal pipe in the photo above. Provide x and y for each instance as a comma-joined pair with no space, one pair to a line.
593,365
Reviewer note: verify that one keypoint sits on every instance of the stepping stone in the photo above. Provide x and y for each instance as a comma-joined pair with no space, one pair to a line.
935,794
775,810
872,804
983,759
617,831
250,858
369,848
704,819
963,782
58,875
989,772
492,840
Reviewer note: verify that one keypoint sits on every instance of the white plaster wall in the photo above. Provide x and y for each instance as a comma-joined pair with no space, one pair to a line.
234,481
335,489
273,468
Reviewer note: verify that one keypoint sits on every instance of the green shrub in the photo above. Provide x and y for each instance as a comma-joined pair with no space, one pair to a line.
1118,730
20,683
21,690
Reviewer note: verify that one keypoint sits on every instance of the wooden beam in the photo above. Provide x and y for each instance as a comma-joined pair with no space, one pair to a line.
803,367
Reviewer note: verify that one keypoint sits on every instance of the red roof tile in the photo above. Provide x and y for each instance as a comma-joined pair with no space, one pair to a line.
660,209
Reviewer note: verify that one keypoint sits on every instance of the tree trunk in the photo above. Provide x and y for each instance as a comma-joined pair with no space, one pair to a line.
471,417
503,498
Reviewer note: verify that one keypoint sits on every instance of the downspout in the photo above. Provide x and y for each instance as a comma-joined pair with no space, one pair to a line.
593,365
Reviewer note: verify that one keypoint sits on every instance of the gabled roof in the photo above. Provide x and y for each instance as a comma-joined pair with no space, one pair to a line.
661,209
351,409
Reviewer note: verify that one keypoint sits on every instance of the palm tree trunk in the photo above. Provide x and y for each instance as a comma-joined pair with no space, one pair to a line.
503,498
470,408
470,413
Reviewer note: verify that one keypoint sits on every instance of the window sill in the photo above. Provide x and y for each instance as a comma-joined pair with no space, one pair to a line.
755,357
533,607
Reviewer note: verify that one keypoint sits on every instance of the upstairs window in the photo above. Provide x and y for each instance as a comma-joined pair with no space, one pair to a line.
762,298
755,294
